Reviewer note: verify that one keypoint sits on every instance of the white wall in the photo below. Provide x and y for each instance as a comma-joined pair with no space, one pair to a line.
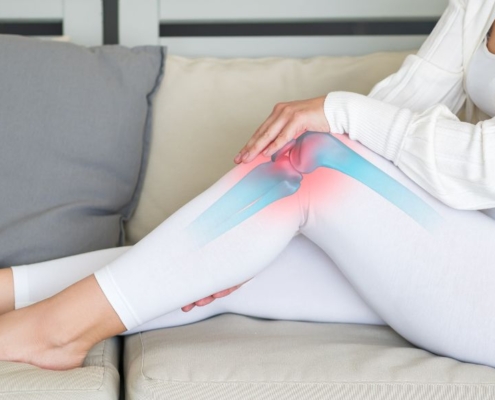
82,19
262,10
140,19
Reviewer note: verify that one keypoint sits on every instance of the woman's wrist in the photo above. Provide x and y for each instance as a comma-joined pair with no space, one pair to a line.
378,125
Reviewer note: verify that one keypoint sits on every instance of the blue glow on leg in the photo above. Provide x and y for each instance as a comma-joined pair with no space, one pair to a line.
260,187
281,177
315,149
395,193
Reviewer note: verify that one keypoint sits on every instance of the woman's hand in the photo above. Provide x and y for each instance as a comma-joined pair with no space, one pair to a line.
209,299
286,121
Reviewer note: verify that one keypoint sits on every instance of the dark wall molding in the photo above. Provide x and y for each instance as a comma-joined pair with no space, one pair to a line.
55,28
232,29
110,21
31,28
327,28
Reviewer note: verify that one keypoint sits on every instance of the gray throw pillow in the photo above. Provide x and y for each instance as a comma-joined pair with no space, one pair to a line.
75,128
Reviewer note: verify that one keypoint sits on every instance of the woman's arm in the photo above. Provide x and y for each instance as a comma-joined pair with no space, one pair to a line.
435,73
409,119
451,159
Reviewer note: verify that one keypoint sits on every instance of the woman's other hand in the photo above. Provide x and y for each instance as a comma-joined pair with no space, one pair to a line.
286,121
209,299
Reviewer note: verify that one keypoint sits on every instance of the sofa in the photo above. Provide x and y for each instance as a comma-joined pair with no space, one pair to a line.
204,111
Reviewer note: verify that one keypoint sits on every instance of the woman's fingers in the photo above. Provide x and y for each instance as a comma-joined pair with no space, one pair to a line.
205,301
263,135
264,126
275,114
286,121
286,135
209,299
187,308
225,292
270,135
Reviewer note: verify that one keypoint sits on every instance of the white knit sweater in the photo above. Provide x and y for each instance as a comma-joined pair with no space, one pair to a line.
410,116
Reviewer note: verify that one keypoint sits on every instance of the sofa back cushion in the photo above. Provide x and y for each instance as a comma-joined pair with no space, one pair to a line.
207,109
74,124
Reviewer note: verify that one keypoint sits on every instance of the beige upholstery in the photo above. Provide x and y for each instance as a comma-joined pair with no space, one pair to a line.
97,379
232,356
206,110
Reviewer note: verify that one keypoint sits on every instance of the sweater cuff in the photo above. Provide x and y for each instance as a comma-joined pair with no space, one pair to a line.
379,126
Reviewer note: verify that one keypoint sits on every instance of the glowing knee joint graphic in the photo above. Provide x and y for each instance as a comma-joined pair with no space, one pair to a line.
282,176
262,186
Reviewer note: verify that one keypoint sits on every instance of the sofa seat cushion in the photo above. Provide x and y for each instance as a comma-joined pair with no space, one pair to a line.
97,379
233,356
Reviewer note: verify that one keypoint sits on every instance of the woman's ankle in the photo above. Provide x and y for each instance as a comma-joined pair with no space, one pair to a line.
27,336
81,315
57,333
7,300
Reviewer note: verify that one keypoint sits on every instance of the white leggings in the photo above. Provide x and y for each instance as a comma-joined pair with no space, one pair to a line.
301,284
354,256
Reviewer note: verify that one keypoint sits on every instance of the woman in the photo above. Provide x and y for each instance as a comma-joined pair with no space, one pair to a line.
430,278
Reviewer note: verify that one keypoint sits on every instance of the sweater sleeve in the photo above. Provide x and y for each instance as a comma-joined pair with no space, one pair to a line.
435,73
409,118
452,160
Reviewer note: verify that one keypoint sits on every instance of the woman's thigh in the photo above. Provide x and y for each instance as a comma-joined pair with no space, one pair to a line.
434,285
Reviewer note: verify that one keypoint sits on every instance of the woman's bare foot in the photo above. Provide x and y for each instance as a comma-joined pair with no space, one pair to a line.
58,332
25,338
6,291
